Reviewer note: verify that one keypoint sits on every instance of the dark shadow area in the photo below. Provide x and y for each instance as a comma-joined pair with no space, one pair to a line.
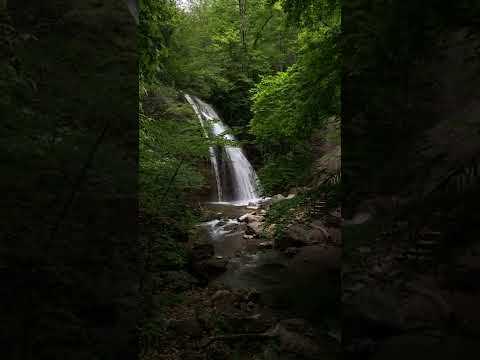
69,145
410,166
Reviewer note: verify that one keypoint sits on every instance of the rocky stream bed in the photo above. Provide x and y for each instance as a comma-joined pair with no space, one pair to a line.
251,295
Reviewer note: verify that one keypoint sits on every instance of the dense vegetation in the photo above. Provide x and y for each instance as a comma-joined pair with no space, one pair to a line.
271,69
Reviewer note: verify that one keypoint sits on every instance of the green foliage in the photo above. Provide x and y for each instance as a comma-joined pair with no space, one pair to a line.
283,171
304,204
172,150
154,36
209,58
280,212
289,105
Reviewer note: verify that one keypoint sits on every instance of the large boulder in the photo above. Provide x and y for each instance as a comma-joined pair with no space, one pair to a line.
294,236
250,217
298,235
254,228
234,226
277,198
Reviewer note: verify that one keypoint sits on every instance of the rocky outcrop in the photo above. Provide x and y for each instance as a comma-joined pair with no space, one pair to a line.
298,235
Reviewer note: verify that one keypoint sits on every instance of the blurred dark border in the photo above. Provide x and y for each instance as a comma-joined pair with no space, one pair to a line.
411,169
68,102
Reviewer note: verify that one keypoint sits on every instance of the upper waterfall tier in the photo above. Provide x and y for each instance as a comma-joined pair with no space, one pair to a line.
235,177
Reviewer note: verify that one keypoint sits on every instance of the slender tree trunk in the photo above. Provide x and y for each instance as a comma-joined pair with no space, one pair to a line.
242,5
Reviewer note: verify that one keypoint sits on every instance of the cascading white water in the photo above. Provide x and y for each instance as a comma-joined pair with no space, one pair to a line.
241,175
213,158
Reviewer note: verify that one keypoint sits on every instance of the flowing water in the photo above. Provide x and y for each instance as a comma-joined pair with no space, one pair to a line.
283,284
235,177
236,186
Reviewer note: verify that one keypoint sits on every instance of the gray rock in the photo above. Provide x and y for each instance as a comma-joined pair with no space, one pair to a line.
265,245
250,217
254,228
316,236
296,235
235,227
277,198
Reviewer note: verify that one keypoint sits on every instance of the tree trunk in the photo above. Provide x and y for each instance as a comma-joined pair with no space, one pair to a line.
242,5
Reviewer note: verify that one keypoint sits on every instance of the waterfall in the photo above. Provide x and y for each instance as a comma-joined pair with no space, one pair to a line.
235,177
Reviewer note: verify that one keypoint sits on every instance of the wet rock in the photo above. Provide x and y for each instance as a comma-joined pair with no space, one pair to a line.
250,217
335,235
220,294
265,245
254,228
235,227
291,251
296,235
265,203
317,236
277,198
221,223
